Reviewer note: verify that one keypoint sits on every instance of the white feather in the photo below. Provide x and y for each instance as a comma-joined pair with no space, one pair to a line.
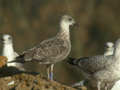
8,50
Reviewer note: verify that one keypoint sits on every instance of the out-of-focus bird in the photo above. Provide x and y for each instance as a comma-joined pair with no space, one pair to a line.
100,69
8,50
52,50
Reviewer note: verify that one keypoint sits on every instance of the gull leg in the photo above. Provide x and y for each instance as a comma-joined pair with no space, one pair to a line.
106,87
98,85
51,72
48,72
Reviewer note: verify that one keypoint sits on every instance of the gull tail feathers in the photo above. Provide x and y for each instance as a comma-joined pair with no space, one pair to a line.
19,59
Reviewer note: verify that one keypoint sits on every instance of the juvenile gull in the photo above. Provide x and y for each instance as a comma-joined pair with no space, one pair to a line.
109,51
102,69
8,49
109,48
52,50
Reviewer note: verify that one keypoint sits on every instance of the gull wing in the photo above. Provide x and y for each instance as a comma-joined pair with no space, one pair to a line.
46,52
92,64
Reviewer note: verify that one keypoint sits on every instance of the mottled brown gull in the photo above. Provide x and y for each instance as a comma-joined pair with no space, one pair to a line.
52,50
109,48
102,69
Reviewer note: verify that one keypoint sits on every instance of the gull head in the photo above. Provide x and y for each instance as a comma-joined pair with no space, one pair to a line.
6,39
67,21
109,45
109,48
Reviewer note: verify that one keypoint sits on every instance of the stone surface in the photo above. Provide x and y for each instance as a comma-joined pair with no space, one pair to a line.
3,61
25,81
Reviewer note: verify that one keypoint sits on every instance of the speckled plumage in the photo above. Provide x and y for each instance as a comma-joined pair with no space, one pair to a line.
49,51
109,48
52,50
95,63
104,69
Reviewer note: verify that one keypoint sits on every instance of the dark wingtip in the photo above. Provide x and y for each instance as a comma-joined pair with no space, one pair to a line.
71,61
18,59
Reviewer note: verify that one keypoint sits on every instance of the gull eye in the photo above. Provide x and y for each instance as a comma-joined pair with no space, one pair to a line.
107,46
70,19
9,38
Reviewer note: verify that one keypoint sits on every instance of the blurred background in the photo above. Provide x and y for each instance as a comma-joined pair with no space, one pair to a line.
31,21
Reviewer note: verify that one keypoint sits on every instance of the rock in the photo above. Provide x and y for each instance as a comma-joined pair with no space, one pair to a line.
26,81
3,61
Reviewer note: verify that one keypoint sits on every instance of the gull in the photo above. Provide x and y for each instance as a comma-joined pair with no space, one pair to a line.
109,48
8,49
109,51
52,50
100,69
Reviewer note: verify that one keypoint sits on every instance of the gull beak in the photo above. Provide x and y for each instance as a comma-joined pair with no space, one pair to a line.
106,47
75,25
1,40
